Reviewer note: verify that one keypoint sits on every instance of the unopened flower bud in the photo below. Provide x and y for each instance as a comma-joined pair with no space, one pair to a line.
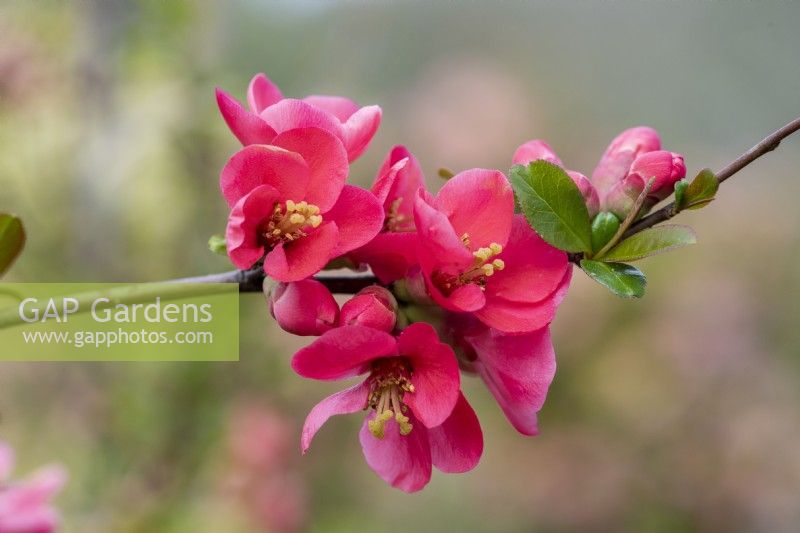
303,307
589,193
620,154
621,198
534,151
374,307
666,167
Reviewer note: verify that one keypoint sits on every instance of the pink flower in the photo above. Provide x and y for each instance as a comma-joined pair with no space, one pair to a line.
289,201
537,149
476,256
374,307
394,250
517,369
25,506
270,114
304,307
420,418
630,161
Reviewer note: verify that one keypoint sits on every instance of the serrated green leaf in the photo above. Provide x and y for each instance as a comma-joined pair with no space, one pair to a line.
702,189
651,241
553,205
680,194
604,227
625,281
12,240
217,244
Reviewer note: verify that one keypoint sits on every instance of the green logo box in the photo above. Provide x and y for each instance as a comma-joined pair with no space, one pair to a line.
119,322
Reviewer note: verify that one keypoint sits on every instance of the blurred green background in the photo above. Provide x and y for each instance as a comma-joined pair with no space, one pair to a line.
677,412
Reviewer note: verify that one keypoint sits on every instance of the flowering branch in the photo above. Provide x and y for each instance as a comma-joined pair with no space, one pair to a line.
765,146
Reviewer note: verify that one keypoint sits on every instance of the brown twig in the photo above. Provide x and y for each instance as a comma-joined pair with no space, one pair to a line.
252,280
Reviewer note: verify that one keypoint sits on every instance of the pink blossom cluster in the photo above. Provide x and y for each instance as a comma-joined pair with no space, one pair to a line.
25,505
466,285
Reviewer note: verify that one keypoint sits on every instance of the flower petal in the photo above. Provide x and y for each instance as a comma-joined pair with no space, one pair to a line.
359,217
479,203
440,245
403,461
326,159
241,234
260,164
359,129
343,352
532,268
344,402
435,374
520,317
304,257
396,186
518,370
262,93
340,107
533,151
247,127
389,255
289,114
457,444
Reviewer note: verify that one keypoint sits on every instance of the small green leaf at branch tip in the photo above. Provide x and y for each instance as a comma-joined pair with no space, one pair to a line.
12,240
701,191
217,244
626,281
651,241
553,205
445,173
680,195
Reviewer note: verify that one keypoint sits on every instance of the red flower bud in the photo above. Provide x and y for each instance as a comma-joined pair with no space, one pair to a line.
666,167
303,307
373,307
620,154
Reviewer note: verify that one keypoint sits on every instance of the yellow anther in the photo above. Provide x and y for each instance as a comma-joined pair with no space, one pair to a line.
377,426
297,218
313,210
495,248
488,269
482,254
499,264
402,421
276,232
315,220
290,205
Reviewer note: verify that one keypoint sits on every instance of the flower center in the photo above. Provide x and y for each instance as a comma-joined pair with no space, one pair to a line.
390,380
484,266
289,222
396,221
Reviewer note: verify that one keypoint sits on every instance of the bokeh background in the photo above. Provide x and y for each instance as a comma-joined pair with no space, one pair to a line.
677,412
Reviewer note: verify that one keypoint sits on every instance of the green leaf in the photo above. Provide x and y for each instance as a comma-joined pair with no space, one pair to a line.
12,240
680,195
217,244
553,205
701,191
604,227
651,241
625,281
